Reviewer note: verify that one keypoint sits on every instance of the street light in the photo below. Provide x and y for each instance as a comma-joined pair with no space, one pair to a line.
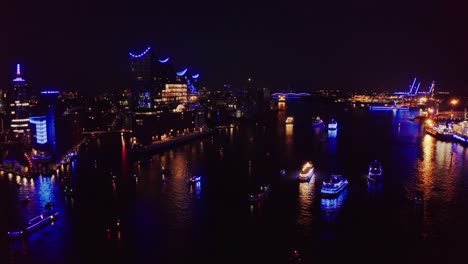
453,102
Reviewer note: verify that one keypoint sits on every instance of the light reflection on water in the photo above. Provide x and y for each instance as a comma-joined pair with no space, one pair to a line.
306,199
331,206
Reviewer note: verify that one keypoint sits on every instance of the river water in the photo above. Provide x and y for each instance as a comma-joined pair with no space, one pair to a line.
123,212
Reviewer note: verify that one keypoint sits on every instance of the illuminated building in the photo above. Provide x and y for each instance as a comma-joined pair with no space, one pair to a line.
19,108
143,81
162,100
43,125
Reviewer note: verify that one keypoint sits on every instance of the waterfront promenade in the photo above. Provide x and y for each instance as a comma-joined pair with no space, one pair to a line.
163,144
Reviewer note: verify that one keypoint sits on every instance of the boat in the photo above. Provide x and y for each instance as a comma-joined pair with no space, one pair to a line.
418,198
375,171
318,122
333,125
334,185
195,179
34,224
68,190
306,172
259,194
289,120
439,131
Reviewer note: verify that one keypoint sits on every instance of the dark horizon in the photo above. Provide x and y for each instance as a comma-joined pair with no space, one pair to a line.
303,47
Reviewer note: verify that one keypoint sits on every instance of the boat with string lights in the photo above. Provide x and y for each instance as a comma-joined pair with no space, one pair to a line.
306,172
34,224
375,171
334,185
440,131
317,122
195,179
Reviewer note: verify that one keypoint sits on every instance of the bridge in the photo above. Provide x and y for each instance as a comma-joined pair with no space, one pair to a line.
280,96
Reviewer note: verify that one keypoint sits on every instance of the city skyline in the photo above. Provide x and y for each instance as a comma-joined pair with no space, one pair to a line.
366,46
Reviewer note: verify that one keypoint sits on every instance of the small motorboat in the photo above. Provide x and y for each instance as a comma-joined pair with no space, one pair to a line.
195,179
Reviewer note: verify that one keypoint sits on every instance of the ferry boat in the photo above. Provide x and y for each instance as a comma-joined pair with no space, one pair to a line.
334,185
375,171
333,125
260,194
318,122
289,120
306,172
34,224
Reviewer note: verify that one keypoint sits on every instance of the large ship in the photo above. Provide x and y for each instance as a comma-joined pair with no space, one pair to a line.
375,171
334,185
439,131
306,172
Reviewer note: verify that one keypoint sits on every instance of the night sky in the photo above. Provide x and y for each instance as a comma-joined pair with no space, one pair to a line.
308,45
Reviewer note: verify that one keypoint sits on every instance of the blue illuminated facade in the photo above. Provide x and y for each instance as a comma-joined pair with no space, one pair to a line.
43,123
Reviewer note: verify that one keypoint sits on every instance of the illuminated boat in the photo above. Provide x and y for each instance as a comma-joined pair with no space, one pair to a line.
306,172
34,224
375,171
290,120
333,125
260,194
334,185
318,122
439,131
194,179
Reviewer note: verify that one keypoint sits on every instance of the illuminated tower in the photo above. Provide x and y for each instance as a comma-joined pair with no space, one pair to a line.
19,108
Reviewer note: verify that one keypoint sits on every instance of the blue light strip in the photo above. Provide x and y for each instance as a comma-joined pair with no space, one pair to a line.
164,60
141,54
461,138
182,72
41,129
49,92
196,76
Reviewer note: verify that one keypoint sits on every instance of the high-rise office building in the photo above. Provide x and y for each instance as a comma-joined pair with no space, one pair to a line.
43,124
19,108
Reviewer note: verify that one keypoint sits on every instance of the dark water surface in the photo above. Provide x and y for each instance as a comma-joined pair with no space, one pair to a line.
173,222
